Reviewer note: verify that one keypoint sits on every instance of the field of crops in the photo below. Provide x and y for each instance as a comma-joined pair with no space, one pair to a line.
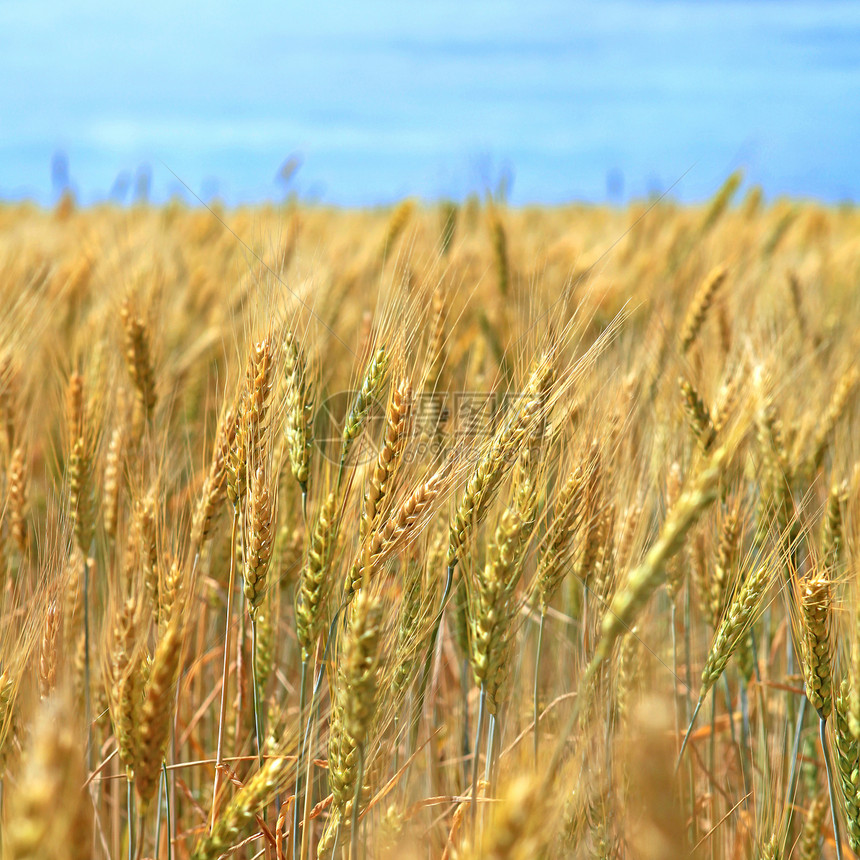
430,531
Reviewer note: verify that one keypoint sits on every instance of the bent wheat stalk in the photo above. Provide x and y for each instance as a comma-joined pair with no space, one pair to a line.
733,628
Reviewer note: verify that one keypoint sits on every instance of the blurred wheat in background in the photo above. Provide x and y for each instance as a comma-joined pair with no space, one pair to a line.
438,531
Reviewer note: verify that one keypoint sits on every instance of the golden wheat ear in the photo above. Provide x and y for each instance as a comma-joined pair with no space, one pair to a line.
138,357
379,484
300,415
156,713
49,806
701,304
258,540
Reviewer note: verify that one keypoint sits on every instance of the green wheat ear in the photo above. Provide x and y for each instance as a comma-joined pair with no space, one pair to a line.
815,607
371,386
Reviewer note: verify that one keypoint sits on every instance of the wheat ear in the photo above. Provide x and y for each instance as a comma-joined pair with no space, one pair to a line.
733,627
641,583
299,429
256,794
49,813
370,388
498,457
157,710
378,485
138,358
847,763
700,306
353,714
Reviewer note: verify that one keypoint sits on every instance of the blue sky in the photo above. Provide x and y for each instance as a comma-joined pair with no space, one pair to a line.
383,99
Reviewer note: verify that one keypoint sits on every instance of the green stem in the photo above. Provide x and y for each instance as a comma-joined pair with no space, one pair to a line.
831,790
336,841
428,663
169,813
745,745
464,688
478,730
222,713
395,726
688,651
583,639
795,753
688,675
310,724
161,785
258,723
689,732
297,804
491,741
489,764
356,804
129,808
240,643
675,701
712,760
731,710
309,788
87,705
537,684
340,472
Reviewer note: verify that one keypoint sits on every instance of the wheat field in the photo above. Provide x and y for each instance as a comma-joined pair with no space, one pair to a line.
430,531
